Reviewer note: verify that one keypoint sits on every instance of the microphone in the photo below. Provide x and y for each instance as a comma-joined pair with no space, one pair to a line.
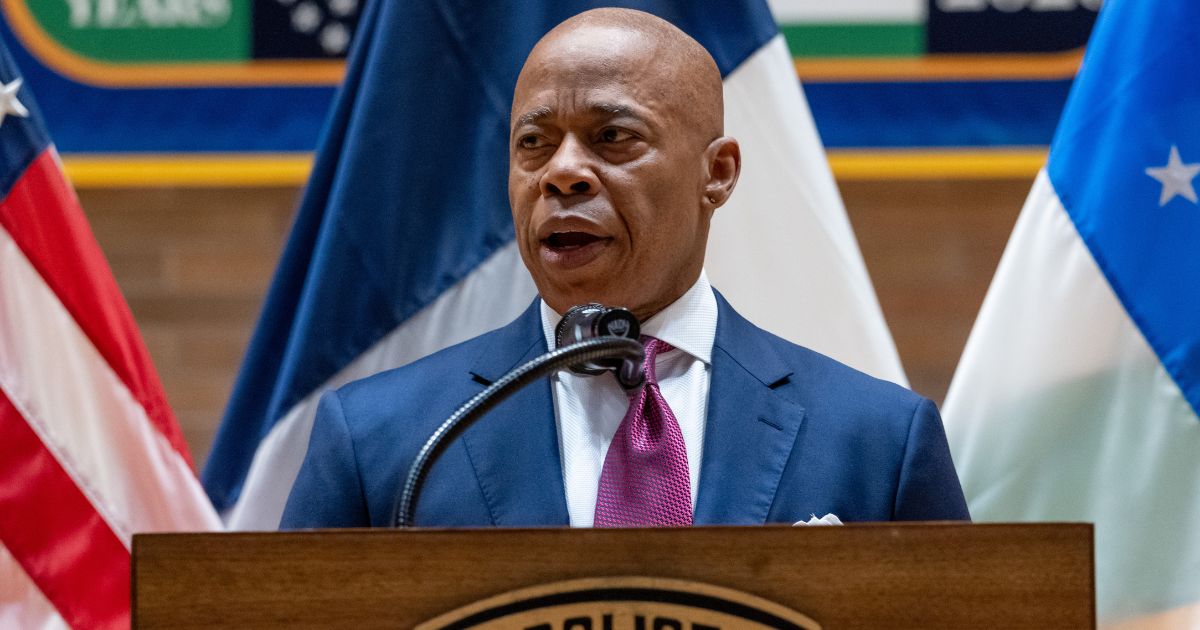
590,339
592,320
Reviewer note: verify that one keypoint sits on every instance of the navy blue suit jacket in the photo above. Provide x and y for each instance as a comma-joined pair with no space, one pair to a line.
790,434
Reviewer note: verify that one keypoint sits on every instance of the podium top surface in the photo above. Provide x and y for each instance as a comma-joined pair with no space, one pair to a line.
896,575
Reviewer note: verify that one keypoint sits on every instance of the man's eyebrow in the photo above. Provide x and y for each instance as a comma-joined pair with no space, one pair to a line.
533,116
611,110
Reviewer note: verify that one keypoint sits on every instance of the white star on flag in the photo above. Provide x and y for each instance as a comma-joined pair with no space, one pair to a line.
8,101
1176,178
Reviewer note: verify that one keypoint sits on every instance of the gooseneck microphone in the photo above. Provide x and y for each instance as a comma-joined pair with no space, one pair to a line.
597,339
588,321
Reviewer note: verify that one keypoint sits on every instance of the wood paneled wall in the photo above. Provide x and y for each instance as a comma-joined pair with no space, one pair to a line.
195,265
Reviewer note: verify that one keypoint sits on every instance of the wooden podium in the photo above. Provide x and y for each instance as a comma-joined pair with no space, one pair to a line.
888,575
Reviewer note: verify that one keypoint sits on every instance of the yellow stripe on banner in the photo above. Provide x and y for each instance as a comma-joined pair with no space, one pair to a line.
267,170
200,171
928,164
942,67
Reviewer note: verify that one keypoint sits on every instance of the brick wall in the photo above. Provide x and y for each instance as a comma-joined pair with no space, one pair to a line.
195,264
931,249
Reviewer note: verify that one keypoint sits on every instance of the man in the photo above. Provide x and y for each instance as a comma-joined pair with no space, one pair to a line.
617,163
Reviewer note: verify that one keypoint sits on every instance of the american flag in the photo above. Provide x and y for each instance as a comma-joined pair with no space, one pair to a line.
90,453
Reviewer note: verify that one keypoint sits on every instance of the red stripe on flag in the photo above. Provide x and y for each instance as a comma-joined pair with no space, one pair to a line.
56,534
44,218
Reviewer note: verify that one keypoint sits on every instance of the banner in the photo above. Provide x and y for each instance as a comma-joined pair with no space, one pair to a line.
219,78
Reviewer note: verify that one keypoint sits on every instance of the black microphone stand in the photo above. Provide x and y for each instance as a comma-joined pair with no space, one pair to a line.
589,350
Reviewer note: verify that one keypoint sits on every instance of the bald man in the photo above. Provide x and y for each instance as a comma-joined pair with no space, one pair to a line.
617,162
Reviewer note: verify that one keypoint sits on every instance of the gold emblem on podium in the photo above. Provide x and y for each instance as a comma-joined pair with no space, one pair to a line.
623,603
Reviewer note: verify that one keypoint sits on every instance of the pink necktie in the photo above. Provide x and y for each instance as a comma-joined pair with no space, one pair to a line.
644,482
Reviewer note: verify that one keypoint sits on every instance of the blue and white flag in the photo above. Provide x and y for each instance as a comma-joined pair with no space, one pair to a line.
404,243
1078,392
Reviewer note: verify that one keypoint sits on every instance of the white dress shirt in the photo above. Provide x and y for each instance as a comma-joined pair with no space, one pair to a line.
588,409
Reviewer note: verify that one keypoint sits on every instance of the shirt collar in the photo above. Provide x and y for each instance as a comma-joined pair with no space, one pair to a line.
689,323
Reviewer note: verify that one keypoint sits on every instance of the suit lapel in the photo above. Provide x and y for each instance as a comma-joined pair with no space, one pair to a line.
751,429
752,425
514,447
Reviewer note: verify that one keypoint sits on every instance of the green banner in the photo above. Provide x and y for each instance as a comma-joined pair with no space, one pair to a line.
162,31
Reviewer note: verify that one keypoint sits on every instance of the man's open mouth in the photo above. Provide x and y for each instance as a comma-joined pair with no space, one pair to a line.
570,249
566,241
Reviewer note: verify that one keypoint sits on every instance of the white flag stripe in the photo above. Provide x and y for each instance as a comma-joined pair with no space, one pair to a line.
1044,259
489,297
99,432
782,250
22,604
1060,410
848,11
1182,617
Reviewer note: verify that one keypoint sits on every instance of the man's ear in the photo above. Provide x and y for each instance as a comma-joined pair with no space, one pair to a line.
724,160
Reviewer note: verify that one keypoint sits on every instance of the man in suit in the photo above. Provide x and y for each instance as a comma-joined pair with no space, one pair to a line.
617,164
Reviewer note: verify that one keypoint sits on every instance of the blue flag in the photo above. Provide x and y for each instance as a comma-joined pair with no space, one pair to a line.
1124,163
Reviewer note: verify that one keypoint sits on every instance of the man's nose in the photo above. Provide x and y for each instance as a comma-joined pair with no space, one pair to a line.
569,171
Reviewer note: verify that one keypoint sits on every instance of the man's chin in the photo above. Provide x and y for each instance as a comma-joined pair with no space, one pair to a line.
562,299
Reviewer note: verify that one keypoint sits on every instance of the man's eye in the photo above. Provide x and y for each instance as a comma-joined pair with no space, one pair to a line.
612,134
530,141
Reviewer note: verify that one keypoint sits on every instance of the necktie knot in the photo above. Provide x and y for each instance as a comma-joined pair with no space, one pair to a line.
653,346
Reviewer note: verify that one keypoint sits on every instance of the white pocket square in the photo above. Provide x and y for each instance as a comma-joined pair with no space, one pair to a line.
828,519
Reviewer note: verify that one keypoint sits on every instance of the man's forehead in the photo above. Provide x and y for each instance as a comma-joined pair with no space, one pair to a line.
592,54
627,70
627,59
593,40
603,85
